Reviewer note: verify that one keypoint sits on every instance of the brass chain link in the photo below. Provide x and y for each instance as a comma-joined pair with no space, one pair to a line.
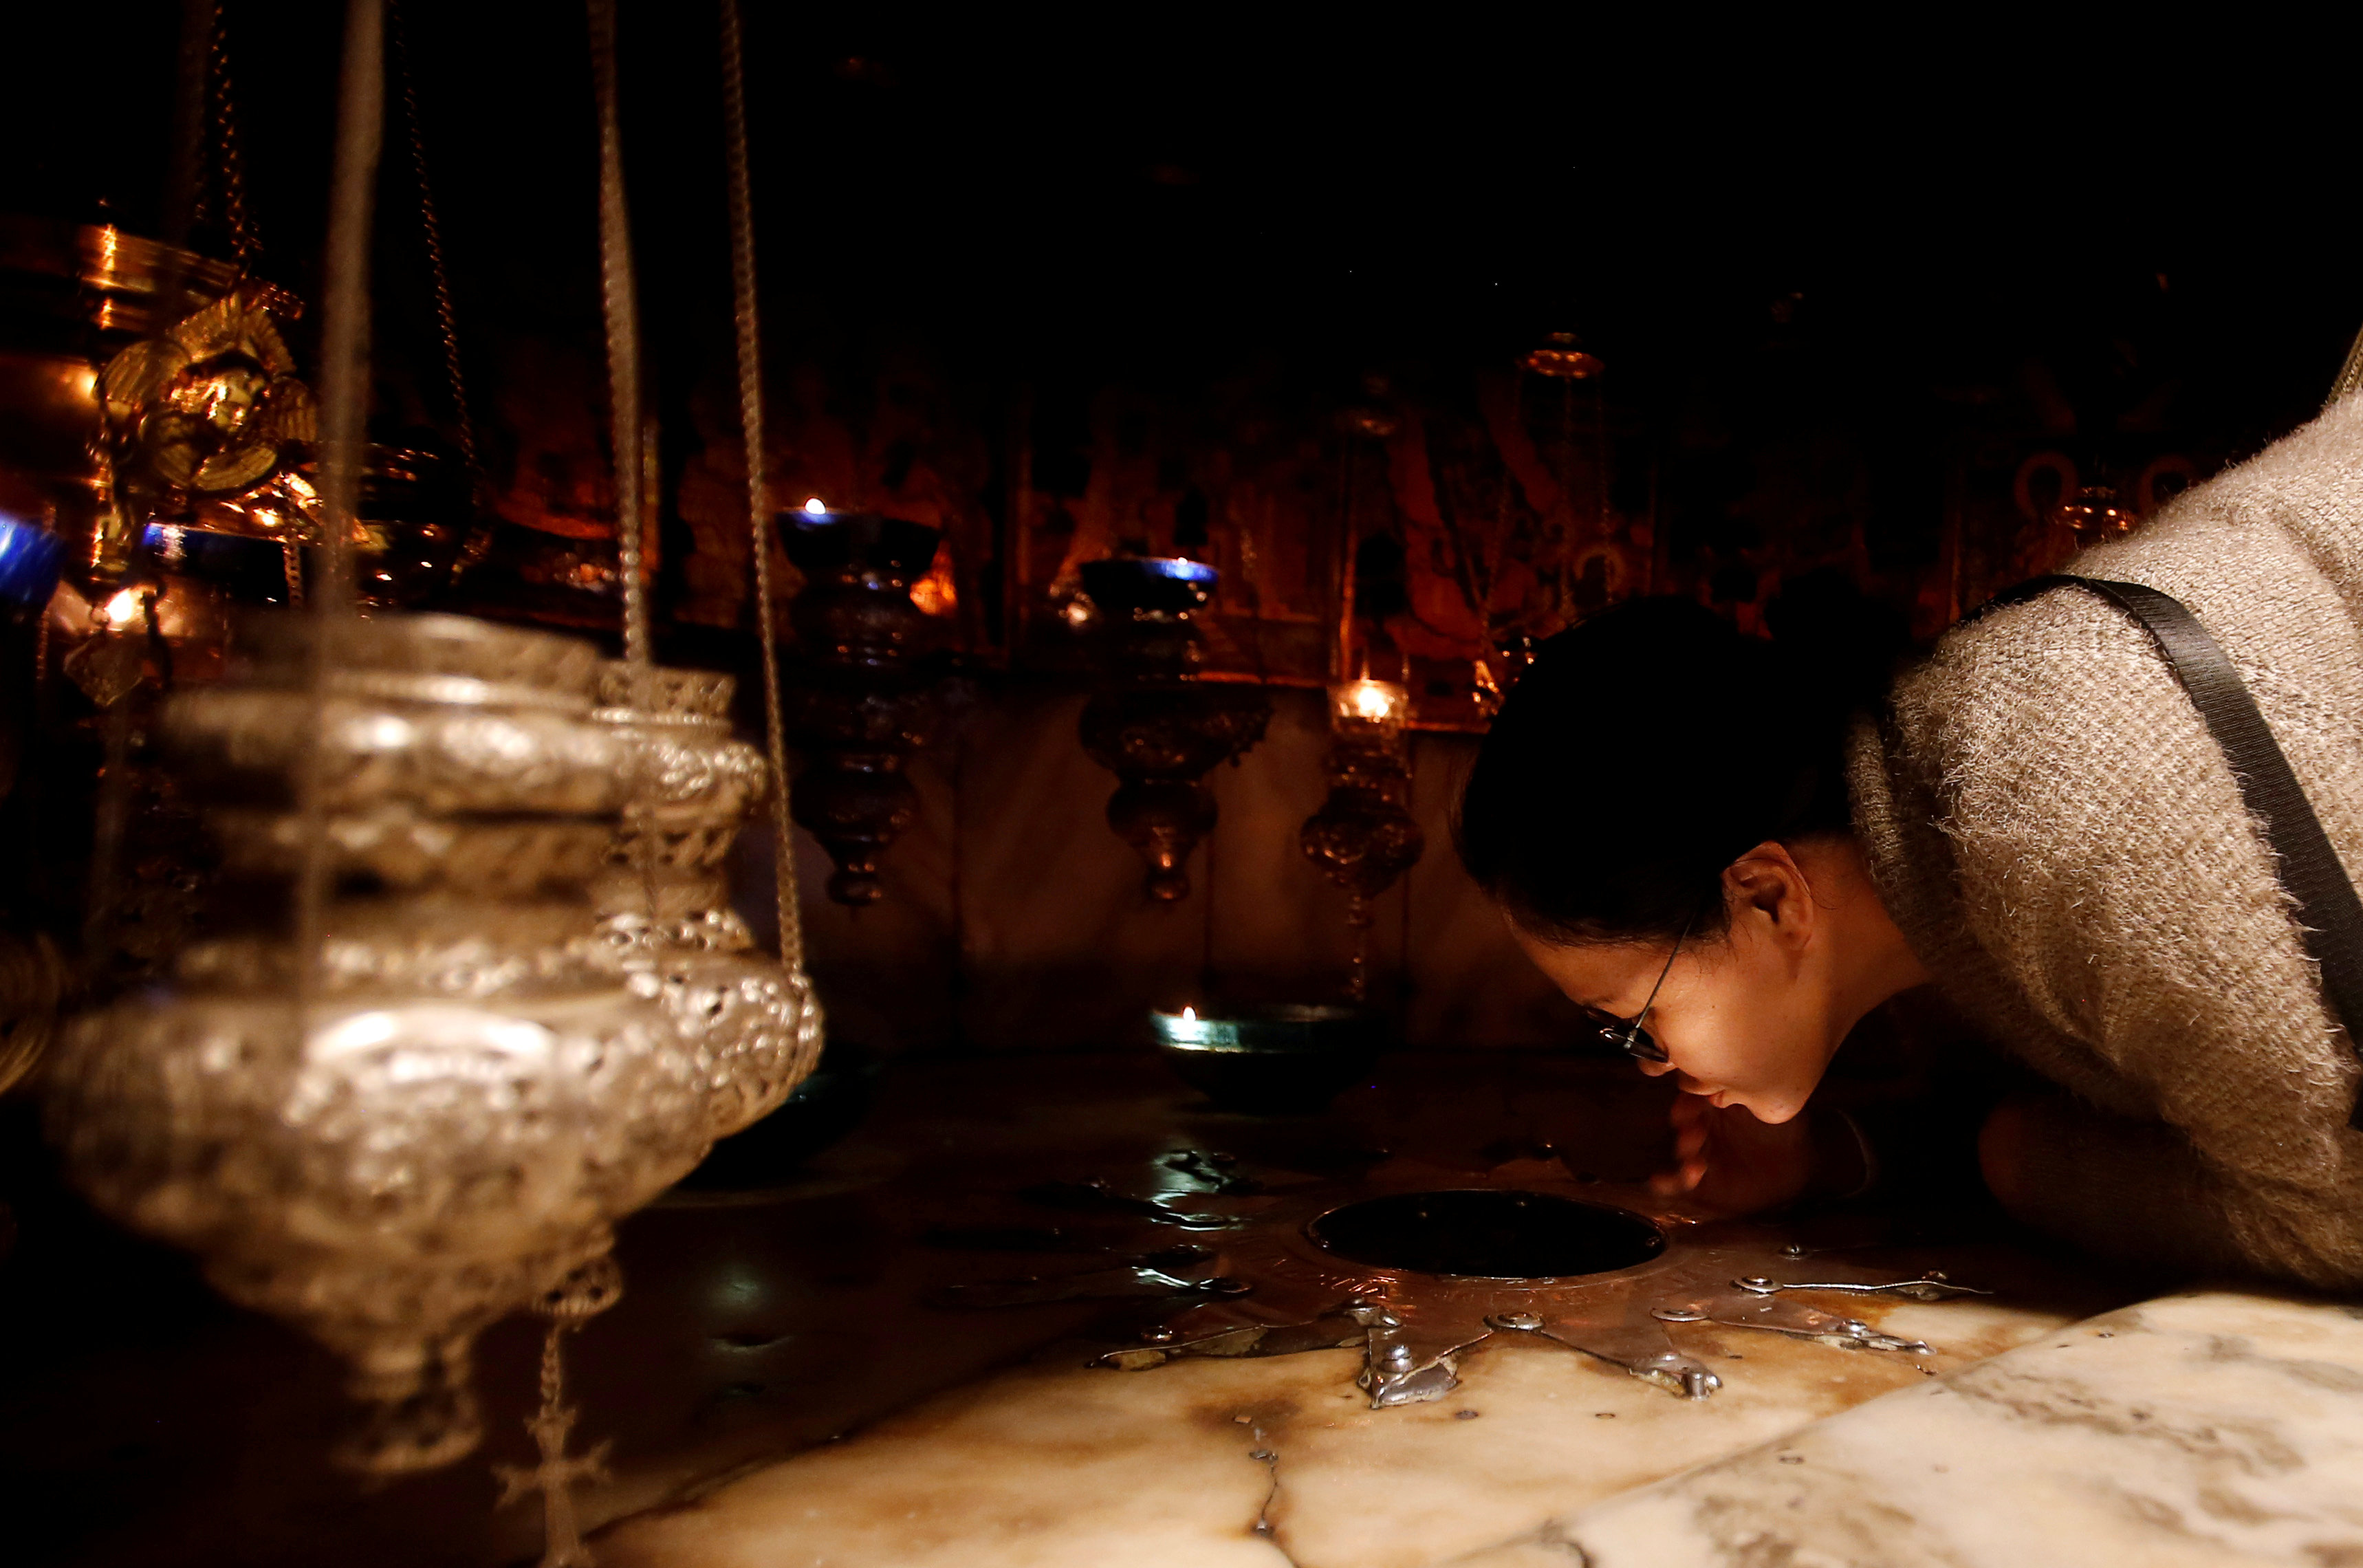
617,291
228,169
431,233
759,511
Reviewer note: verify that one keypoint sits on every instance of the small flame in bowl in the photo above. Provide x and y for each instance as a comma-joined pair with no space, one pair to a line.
816,508
1372,700
1189,1015
123,609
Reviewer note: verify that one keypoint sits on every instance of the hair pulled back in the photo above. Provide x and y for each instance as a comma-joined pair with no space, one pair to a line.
1645,749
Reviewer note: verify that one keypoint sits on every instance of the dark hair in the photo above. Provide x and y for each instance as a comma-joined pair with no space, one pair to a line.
1645,749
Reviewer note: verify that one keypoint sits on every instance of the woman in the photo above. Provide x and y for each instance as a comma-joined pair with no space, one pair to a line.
1716,840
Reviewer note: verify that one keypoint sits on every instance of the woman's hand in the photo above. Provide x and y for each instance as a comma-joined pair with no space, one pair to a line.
1732,1163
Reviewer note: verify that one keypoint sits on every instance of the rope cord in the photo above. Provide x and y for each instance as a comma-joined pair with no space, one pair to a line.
751,414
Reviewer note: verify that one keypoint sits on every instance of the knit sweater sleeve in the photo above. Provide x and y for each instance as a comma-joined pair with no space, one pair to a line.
2118,920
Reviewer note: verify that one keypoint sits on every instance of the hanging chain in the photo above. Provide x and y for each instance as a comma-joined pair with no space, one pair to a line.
759,511
557,1473
623,337
431,233
229,170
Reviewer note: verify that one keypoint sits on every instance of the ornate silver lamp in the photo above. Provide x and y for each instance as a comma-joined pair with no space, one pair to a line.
663,902
439,1114
511,1006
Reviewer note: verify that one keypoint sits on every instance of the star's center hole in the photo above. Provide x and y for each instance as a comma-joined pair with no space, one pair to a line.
1488,1233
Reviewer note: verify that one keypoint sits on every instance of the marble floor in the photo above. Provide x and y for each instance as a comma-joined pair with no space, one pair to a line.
2200,1428
1056,1461
2211,1428
802,1376
1212,1463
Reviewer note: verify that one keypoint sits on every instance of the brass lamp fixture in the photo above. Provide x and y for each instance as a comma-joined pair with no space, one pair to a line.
1562,357
1363,837
860,705
2094,514
1155,725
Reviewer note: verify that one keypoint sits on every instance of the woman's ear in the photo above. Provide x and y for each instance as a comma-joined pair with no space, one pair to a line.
1768,881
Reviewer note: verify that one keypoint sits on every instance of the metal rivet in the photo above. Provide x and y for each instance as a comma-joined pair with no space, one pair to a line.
1678,1315
1157,1334
1526,1320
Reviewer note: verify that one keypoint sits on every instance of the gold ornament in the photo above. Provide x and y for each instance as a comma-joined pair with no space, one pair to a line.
212,406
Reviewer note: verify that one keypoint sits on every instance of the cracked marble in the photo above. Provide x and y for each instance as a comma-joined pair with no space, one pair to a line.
1054,1465
2210,1427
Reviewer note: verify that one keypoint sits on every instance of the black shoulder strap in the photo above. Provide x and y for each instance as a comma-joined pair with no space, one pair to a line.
2328,913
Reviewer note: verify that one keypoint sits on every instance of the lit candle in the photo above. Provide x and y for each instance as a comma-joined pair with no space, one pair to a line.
1367,712
816,508
123,609
1186,1030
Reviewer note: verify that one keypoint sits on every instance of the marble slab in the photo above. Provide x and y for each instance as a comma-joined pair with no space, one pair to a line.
2214,1428
1206,1463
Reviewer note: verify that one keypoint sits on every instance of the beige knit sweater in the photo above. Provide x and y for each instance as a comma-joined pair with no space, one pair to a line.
2062,843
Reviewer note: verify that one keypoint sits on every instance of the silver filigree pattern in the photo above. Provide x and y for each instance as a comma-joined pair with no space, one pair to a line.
244,742
476,1081
665,910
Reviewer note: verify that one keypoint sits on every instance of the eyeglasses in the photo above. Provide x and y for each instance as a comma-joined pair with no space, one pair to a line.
1629,1036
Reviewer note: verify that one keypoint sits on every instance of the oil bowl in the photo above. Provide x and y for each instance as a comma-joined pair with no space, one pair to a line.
1269,1060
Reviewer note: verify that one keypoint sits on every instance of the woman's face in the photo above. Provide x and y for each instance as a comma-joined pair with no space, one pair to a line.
1746,1020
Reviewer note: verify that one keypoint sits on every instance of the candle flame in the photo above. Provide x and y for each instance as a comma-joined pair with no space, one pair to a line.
1189,1015
816,508
1373,700
123,609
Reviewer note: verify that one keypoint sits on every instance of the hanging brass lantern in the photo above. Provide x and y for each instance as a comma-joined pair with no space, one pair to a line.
1364,836
2094,514
860,703
1153,723
1562,357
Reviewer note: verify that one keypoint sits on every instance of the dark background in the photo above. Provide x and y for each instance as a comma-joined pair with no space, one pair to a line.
1150,195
